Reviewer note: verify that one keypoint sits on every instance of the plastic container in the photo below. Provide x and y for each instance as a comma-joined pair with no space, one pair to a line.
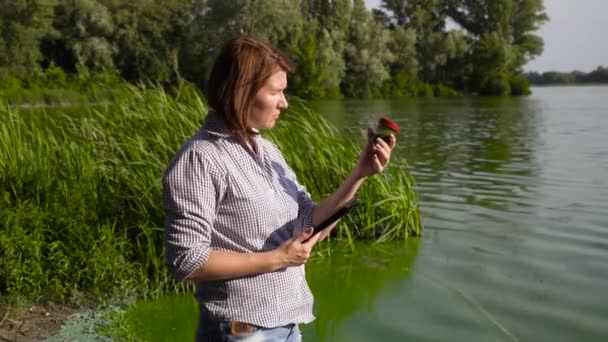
384,128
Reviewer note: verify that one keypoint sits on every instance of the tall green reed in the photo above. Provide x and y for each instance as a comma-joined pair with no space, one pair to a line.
80,195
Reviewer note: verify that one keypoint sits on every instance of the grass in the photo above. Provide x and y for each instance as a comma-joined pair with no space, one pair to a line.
80,195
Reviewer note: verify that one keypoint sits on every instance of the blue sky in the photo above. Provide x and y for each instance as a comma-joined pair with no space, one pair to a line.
576,36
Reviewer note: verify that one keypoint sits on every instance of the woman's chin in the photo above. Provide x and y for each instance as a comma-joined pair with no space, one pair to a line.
271,124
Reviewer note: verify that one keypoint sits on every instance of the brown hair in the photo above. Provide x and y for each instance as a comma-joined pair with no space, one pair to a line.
240,70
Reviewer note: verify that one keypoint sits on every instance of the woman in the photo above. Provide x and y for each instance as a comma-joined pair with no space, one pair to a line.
238,223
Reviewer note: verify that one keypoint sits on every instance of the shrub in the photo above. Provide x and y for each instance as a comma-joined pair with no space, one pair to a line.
519,85
496,85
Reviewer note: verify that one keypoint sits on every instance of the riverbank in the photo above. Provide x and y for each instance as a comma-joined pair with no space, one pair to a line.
36,322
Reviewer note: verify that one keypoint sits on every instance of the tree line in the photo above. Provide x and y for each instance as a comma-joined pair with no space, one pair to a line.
599,75
339,47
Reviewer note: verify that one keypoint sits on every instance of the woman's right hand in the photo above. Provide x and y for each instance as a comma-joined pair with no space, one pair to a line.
296,251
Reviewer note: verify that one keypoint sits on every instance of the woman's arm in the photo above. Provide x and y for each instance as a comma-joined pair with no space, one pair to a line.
227,265
374,159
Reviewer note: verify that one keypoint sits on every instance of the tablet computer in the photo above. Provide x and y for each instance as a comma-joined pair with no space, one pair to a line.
347,208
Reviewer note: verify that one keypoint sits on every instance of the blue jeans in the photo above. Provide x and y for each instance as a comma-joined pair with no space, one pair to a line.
209,331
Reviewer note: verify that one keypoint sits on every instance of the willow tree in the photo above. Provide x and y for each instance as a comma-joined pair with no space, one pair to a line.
149,36
332,37
23,24
367,55
502,38
436,47
82,38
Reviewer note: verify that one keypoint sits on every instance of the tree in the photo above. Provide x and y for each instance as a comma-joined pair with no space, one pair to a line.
403,46
367,55
149,35
502,37
328,21
332,37
307,79
453,60
493,58
435,48
82,36
527,18
276,21
223,20
193,51
398,11
599,75
23,24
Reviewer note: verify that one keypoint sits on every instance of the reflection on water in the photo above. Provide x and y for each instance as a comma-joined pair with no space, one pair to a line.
514,196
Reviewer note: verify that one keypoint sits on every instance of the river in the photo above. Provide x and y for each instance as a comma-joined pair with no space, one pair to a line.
514,202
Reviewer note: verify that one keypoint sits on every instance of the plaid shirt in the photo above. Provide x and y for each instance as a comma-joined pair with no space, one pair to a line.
218,194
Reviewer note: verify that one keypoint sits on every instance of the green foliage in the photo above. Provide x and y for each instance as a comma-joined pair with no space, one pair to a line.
54,87
83,37
355,52
403,85
307,79
493,59
442,90
403,46
496,85
366,54
334,18
330,60
23,24
277,21
53,244
502,38
55,77
519,85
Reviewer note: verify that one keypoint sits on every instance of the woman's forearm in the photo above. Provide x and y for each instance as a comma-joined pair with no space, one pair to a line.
337,199
228,265
373,160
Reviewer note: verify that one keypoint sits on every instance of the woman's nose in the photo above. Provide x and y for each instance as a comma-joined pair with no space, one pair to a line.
283,103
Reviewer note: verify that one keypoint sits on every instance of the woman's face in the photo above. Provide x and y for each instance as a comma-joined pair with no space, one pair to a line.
269,101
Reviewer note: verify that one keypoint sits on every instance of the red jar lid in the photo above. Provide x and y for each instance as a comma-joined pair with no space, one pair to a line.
389,124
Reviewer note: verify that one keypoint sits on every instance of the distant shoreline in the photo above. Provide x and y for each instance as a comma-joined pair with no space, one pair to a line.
597,76
579,84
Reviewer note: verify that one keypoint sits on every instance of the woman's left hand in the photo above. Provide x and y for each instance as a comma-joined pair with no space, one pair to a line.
375,156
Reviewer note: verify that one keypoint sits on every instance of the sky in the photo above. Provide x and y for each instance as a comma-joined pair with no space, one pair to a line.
576,35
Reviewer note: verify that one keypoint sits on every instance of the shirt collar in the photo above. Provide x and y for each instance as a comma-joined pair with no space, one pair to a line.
215,125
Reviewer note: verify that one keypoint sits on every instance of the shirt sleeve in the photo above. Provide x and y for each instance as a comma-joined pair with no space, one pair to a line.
192,190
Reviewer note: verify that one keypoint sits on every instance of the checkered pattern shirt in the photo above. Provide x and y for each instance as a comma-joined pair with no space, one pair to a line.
218,194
